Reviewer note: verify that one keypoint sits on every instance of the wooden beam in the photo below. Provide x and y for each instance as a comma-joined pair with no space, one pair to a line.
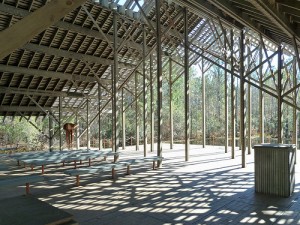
23,31
227,8
290,3
73,55
275,17
22,109
69,26
51,74
25,91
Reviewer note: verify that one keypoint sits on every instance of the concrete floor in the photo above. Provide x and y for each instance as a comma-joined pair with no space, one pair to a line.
209,189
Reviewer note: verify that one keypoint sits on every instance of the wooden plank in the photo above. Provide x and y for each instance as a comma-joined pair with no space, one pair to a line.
27,210
23,31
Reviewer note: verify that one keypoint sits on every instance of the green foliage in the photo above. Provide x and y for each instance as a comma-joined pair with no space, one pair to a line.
14,132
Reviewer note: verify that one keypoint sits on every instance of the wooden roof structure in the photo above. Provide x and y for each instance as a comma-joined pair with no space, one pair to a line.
81,57
70,56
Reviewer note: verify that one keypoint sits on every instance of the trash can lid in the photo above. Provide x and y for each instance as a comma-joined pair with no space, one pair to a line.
268,145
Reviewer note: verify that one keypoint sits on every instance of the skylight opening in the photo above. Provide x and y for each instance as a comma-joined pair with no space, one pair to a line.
132,5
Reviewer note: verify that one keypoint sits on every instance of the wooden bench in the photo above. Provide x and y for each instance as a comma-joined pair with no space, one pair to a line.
144,160
94,170
21,180
111,167
76,156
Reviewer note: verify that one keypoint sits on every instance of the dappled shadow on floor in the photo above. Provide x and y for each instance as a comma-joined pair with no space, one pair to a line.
207,190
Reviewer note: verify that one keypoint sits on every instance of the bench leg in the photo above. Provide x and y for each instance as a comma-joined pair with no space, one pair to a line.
80,161
159,163
43,169
116,158
75,166
113,173
63,163
31,167
105,158
18,163
89,162
77,180
128,170
153,165
27,188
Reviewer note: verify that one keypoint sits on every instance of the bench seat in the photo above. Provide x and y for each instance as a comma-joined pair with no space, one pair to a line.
144,160
74,156
94,170
111,167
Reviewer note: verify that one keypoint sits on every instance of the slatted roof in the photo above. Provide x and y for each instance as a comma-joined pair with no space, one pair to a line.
71,57
277,19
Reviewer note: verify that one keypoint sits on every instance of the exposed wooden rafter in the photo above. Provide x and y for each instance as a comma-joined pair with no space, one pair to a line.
23,31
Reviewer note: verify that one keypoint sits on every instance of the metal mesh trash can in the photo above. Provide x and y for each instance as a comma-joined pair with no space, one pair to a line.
275,169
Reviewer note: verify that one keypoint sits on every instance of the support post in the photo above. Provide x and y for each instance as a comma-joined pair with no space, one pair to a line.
261,99
242,100
145,108
159,80
295,119
123,122
186,86
152,103
249,111
88,125
137,117
116,124
171,105
77,132
51,134
59,123
279,94
112,110
226,95
249,118
233,98
99,116
203,106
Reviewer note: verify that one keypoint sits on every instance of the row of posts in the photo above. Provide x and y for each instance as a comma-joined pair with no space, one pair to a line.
244,124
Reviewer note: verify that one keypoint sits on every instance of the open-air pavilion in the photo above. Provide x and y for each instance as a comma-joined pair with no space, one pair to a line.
90,62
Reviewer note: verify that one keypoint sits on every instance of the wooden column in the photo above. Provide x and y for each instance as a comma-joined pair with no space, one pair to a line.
116,124
151,103
295,118
242,100
203,106
249,110
145,108
233,99
171,105
159,80
99,117
186,87
261,99
77,132
137,117
51,134
88,125
60,127
123,121
112,110
226,96
279,93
